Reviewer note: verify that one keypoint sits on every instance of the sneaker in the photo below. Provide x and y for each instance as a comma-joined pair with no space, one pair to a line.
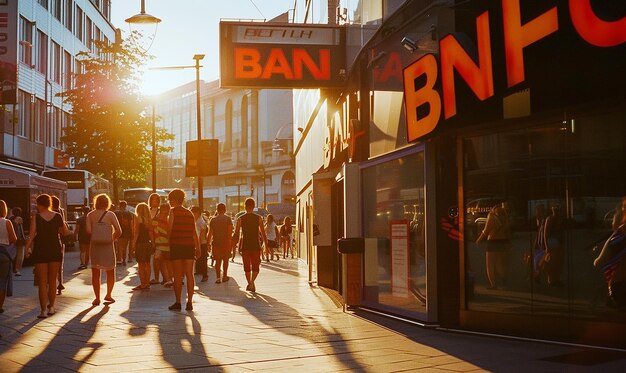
18,274
175,307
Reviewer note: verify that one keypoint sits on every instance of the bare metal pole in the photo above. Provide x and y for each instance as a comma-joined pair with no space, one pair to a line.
199,57
154,178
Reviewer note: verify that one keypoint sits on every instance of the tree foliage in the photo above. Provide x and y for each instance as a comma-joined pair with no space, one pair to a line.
111,133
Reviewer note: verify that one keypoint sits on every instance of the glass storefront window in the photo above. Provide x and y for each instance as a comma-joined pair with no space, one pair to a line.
394,229
543,199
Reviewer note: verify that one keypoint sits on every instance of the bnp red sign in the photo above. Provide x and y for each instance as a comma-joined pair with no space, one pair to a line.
436,92
281,55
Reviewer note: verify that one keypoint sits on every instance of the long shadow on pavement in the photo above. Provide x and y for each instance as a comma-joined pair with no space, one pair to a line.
181,346
59,349
285,319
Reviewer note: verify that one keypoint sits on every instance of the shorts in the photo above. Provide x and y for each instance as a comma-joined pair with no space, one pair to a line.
221,253
143,252
251,260
163,254
178,252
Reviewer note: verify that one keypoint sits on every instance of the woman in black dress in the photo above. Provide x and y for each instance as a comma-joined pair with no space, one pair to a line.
44,248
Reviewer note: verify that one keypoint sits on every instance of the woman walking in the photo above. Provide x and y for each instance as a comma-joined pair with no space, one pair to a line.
104,229
143,245
271,232
184,247
498,234
7,237
18,227
154,201
44,248
285,237
161,240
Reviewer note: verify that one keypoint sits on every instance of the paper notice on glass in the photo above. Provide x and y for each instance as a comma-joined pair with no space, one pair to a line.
400,258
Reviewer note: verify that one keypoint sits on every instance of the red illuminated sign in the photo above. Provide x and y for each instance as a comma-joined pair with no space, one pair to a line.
475,67
281,56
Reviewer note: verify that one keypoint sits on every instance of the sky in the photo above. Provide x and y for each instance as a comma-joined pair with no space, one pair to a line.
188,27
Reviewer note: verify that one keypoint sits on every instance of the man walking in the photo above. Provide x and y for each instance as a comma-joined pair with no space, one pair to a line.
220,232
250,226
126,219
201,230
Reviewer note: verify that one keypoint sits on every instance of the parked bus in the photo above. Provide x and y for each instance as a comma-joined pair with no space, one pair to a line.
133,196
19,188
82,187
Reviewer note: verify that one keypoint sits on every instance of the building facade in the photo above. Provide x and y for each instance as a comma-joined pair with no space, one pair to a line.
43,38
455,114
254,129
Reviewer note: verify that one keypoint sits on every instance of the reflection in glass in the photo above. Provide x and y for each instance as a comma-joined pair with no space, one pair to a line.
395,266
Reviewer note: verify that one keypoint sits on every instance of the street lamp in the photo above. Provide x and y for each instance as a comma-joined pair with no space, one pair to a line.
142,17
197,66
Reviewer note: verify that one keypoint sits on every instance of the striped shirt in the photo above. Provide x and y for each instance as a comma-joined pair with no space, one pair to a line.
183,228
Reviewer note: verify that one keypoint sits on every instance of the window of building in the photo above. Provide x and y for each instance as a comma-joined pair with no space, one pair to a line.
24,113
89,33
228,118
394,230
57,116
78,24
43,3
42,52
553,187
26,41
67,70
56,8
69,11
40,119
55,62
244,122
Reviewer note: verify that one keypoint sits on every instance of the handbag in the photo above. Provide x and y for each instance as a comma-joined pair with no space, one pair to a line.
102,232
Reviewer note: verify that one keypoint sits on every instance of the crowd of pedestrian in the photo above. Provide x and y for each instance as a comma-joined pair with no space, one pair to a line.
167,240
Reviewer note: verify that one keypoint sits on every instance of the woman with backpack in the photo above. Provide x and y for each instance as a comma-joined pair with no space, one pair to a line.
104,229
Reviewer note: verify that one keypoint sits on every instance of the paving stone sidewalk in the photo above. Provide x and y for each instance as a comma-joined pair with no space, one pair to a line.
286,326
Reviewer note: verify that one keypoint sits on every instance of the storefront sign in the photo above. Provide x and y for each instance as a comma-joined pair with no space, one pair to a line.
8,51
426,101
281,56
400,258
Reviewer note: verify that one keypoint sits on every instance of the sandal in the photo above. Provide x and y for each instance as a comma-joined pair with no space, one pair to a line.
96,302
174,307
138,287
51,311
42,315
189,307
109,300
218,281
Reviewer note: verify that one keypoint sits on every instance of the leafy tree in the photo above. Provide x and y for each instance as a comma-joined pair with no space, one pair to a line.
111,133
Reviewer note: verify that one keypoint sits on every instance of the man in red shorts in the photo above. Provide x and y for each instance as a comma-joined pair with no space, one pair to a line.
250,226
220,232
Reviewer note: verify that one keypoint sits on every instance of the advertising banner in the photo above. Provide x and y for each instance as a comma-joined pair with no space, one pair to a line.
262,55
8,51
